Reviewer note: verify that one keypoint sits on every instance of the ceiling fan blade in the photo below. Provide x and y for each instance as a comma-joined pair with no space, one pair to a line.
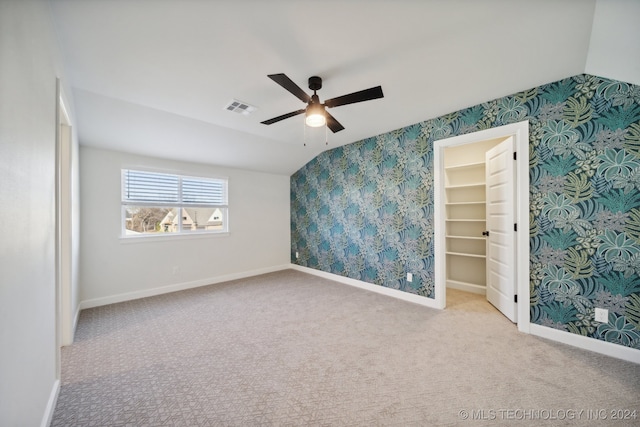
332,123
363,95
289,85
282,117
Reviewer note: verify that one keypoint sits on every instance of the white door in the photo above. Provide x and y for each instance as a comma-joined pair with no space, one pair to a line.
501,235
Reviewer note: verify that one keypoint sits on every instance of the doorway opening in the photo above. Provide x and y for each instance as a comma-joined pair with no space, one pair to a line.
473,226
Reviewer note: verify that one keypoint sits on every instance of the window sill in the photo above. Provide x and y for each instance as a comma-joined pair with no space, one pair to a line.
170,237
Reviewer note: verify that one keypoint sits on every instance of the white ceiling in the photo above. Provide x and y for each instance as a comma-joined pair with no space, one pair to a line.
152,76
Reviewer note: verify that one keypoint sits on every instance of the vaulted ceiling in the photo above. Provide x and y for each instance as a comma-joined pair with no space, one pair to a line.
153,76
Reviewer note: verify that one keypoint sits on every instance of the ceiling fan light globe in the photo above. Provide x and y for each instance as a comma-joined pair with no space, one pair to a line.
315,120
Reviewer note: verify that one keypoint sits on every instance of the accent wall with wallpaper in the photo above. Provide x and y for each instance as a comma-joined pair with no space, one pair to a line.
365,210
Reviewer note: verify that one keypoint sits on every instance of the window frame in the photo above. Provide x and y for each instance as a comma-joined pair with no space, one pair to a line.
180,205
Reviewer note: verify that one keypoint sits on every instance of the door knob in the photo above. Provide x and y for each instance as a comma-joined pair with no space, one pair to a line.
485,233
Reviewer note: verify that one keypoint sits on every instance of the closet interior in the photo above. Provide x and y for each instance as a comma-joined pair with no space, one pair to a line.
465,201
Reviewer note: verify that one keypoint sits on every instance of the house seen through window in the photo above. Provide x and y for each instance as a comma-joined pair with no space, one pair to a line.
155,203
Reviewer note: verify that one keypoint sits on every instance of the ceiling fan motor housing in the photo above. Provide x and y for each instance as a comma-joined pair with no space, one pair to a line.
315,83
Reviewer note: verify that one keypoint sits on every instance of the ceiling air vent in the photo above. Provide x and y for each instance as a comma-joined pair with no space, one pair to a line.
240,107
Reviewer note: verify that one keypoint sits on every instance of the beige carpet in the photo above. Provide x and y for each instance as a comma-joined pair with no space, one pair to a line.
293,349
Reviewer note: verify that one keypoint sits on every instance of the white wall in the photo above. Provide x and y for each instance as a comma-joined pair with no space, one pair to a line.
115,269
29,65
614,49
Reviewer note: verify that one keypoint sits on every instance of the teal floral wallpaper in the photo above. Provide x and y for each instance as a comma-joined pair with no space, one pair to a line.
365,210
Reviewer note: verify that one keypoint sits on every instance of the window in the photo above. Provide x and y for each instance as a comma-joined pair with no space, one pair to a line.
156,203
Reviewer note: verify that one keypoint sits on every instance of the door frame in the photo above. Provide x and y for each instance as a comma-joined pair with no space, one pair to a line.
64,243
520,133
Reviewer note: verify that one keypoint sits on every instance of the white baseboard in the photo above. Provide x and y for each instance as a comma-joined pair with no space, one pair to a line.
97,302
51,405
405,296
467,287
603,347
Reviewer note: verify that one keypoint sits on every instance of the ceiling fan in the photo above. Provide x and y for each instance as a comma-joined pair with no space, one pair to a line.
315,112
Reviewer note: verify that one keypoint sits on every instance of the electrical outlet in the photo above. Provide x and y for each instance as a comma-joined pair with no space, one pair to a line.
297,255
409,277
602,315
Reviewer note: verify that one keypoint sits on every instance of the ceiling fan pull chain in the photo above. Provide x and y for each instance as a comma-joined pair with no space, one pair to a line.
304,138
326,134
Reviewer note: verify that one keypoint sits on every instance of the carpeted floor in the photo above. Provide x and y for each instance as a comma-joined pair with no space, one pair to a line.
290,349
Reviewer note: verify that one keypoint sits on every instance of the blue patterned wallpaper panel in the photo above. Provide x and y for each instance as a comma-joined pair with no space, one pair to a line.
365,210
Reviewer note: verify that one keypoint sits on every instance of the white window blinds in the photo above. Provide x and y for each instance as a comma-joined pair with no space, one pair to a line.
197,191
161,189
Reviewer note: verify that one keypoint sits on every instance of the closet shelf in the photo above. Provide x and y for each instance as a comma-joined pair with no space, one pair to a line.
472,185
466,203
465,237
472,165
465,254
